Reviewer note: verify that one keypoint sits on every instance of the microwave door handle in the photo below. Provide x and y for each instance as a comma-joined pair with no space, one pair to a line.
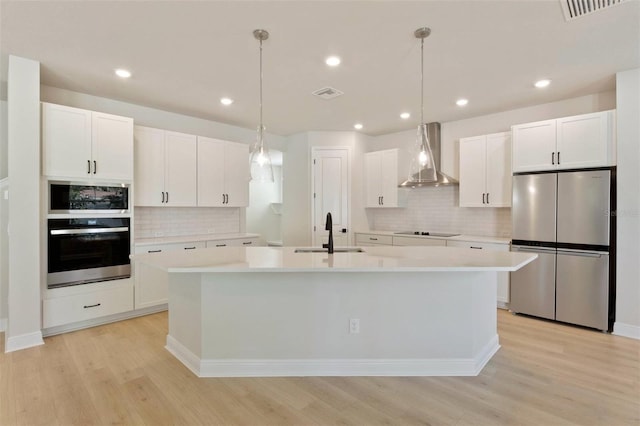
88,231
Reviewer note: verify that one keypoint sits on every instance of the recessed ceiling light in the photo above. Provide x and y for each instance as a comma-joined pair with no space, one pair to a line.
462,102
357,126
332,61
226,101
405,115
120,72
542,83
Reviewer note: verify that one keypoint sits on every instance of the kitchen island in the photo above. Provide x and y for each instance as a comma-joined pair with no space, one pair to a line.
270,311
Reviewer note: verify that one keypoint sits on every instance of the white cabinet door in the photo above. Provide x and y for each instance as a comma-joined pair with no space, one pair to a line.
420,241
503,277
372,179
583,141
473,172
236,177
211,169
149,166
498,170
180,169
234,242
152,284
373,239
389,177
534,146
66,135
112,146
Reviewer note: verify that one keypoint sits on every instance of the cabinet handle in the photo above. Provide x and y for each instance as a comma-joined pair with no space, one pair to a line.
95,167
558,157
373,239
167,197
382,200
88,166
487,198
162,197
222,198
221,245
477,248
553,158
92,306
227,198
154,251
190,248
246,243
483,202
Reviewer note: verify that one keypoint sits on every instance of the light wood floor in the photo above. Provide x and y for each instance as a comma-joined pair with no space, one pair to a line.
544,374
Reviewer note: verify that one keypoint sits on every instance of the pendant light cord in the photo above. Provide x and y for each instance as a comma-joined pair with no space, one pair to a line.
422,81
260,92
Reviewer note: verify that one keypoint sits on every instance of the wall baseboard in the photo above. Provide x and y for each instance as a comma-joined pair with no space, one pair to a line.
23,341
3,325
626,330
332,367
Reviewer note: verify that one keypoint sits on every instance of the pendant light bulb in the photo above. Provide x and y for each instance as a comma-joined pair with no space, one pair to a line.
259,159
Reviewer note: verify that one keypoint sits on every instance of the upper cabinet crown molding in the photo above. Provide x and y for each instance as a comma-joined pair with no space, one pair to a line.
382,175
580,141
485,170
84,144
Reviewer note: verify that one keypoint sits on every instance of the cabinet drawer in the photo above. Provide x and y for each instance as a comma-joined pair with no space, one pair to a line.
80,307
478,246
158,248
421,241
235,242
372,239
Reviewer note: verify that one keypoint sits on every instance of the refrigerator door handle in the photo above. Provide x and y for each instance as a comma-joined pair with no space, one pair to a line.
581,253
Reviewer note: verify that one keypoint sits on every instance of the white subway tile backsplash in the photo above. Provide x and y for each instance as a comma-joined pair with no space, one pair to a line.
152,222
436,209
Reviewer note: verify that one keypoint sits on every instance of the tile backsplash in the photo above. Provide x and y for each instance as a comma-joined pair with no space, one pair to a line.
153,222
436,209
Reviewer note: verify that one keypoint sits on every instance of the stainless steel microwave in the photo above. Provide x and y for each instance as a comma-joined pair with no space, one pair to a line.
69,197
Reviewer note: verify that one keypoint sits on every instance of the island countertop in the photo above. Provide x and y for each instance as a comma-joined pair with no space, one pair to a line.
371,259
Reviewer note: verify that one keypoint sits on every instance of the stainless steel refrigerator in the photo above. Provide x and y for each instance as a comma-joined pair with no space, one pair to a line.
566,219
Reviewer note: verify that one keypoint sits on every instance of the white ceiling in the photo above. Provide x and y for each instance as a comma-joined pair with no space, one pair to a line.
184,56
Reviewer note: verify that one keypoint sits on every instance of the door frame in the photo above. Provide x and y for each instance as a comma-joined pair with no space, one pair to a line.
315,150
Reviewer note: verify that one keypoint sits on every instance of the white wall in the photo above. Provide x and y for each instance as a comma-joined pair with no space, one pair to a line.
261,217
4,144
4,254
23,98
628,209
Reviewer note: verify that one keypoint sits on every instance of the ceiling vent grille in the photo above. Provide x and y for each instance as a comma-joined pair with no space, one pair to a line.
327,93
576,8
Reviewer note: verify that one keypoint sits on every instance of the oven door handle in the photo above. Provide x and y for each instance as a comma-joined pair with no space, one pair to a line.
88,231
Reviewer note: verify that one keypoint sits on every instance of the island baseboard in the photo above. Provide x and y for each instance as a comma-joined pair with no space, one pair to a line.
332,367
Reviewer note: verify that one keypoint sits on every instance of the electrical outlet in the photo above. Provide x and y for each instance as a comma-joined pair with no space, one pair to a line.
354,325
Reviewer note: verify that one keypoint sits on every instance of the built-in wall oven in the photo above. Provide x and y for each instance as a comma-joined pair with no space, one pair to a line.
86,250
88,234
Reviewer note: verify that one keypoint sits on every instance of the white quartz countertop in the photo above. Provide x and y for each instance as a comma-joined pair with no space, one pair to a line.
461,237
383,258
191,238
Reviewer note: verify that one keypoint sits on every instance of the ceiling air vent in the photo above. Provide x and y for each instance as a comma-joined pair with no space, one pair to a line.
576,8
327,93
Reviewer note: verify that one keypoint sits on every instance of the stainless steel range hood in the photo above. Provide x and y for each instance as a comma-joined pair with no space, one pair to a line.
426,176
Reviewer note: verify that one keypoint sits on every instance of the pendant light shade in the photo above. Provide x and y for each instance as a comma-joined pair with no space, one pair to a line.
259,159
422,168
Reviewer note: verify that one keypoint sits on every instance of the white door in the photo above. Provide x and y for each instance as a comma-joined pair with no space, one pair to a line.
499,170
236,174
211,166
534,146
66,134
582,141
473,172
330,195
112,146
180,169
149,166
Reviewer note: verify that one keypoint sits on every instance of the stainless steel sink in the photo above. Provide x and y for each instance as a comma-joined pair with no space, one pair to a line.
324,250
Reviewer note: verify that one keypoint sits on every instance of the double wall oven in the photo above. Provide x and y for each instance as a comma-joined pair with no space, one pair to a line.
88,233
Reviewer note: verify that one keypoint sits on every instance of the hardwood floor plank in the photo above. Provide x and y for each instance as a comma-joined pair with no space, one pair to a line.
545,374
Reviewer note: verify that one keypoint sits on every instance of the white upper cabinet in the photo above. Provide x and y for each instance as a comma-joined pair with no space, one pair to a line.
165,172
485,171
223,173
567,143
382,175
85,144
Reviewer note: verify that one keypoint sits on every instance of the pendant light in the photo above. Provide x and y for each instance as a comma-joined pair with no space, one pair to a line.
422,169
259,159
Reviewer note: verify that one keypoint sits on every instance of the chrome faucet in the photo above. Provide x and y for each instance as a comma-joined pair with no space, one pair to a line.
329,227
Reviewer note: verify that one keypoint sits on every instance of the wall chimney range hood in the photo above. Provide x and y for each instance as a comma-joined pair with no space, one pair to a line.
426,176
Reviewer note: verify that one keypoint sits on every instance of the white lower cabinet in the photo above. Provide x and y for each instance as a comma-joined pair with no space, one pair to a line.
420,241
234,242
368,240
503,277
152,284
73,308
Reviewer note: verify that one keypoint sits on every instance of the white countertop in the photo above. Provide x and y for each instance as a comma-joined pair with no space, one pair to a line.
192,238
461,237
373,259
